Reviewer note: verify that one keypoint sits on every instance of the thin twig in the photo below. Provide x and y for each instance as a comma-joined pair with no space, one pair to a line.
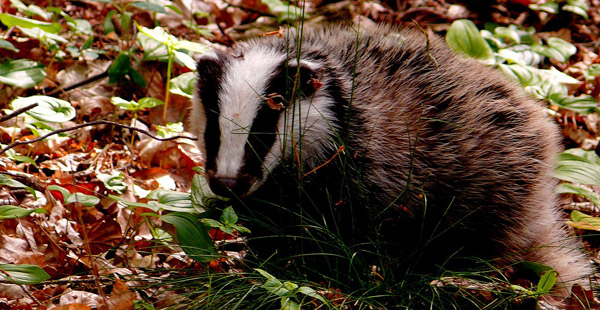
99,122
17,112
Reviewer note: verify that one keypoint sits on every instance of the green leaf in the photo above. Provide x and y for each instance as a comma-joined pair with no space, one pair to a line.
108,24
8,181
86,200
193,238
229,217
508,33
581,220
581,11
289,304
284,11
548,7
578,166
119,67
464,38
565,48
273,285
171,129
114,181
201,195
311,293
12,20
50,109
150,102
584,104
590,72
183,84
22,73
185,60
63,191
547,281
569,188
8,46
241,229
172,200
23,274
525,75
81,26
210,223
11,212
149,6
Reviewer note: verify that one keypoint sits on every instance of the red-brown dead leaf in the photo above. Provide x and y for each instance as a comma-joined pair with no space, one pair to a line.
121,298
104,235
75,306
581,299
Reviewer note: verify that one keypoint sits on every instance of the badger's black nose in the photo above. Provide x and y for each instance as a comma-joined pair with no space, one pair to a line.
228,187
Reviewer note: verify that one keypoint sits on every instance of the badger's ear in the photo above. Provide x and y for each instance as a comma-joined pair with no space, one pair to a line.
306,74
209,69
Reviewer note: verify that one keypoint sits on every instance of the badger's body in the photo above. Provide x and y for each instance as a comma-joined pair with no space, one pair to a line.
431,138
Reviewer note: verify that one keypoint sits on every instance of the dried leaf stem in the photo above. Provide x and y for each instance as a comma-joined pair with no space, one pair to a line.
94,123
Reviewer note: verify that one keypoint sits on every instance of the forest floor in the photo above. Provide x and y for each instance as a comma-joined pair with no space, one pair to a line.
87,205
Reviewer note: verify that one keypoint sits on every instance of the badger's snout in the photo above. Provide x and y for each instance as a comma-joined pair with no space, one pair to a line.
228,186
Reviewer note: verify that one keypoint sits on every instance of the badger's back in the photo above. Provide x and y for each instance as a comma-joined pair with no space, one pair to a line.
434,138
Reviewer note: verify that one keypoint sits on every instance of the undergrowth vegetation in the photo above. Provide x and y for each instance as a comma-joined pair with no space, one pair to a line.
104,205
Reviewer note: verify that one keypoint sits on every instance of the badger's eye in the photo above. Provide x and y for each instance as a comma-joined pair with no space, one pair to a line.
275,101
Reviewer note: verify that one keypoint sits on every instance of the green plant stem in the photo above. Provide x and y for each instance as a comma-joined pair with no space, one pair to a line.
168,86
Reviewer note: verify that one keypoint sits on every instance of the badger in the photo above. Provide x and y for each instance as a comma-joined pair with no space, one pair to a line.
388,123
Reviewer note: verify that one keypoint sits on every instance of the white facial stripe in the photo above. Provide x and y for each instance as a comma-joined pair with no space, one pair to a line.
243,83
312,123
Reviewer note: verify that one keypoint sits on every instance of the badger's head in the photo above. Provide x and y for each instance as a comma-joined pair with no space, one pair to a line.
251,109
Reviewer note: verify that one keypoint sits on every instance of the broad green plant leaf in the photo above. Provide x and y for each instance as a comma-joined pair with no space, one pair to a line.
557,49
171,129
50,109
121,68
193,237
31,9
8,181
580,190
578,166
150,102
284,11
592,72
8,46
584,104
146,5
202,196
287,290
22,73
547,281
548,7
464,38
114,181
68,197
581,220
579,7
11,212
158,44
172,200
12,21
47,38
144,103
183,84
86,200
23,274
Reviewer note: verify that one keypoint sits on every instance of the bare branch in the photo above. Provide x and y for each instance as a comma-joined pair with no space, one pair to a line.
17,112
100,122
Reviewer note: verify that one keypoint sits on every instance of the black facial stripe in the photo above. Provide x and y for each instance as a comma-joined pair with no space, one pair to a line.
210,76
262,133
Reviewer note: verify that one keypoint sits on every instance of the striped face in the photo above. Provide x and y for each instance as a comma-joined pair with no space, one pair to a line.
246,119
